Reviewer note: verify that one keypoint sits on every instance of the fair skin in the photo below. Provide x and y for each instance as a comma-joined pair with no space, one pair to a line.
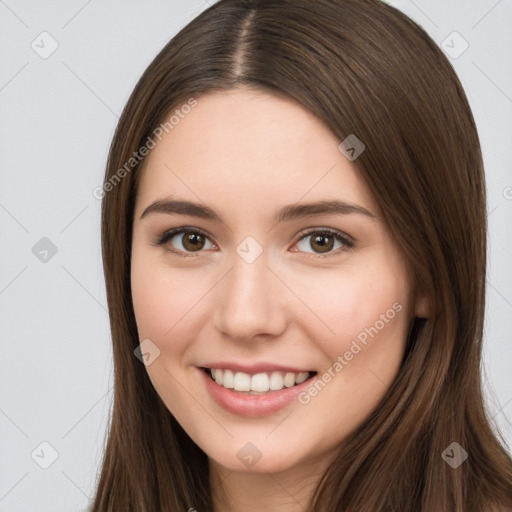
246,155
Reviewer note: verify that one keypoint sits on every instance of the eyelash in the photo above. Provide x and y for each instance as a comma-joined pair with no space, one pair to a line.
347,242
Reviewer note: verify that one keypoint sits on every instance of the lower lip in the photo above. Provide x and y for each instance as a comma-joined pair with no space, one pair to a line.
252,406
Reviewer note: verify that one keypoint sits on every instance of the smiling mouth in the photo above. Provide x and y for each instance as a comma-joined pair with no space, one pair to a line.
259,383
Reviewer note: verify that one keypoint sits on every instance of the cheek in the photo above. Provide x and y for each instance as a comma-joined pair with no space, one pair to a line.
163,298
351,302
369,314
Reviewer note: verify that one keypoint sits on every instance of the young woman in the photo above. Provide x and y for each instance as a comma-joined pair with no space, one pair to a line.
294,245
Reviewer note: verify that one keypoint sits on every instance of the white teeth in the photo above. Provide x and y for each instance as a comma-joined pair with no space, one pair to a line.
289,380
276,381
301,377
228,380
258,383
242,381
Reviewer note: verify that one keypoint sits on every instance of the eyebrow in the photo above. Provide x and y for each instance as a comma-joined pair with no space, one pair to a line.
290,212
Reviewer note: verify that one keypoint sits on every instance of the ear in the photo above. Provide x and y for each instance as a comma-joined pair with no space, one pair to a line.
422,306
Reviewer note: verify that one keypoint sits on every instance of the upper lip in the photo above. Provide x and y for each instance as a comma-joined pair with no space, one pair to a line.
253,368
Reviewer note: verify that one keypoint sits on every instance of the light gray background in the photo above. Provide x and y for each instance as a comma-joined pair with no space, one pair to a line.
57,119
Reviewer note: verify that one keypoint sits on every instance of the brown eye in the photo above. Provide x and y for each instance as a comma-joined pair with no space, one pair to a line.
193,241
323,241
184,241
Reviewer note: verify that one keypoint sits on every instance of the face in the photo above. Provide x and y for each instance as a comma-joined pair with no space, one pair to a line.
260,292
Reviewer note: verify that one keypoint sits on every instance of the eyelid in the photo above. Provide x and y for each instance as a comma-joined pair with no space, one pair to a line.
169,234
347,241
331,231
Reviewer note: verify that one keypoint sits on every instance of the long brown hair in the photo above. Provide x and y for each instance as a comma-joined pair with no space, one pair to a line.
363,68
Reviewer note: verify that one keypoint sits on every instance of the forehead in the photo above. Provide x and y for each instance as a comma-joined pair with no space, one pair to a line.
252,150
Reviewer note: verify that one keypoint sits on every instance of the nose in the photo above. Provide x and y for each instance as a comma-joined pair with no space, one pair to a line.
250,301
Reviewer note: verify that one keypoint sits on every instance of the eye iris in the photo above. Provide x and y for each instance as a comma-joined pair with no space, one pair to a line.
323,246
196,240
